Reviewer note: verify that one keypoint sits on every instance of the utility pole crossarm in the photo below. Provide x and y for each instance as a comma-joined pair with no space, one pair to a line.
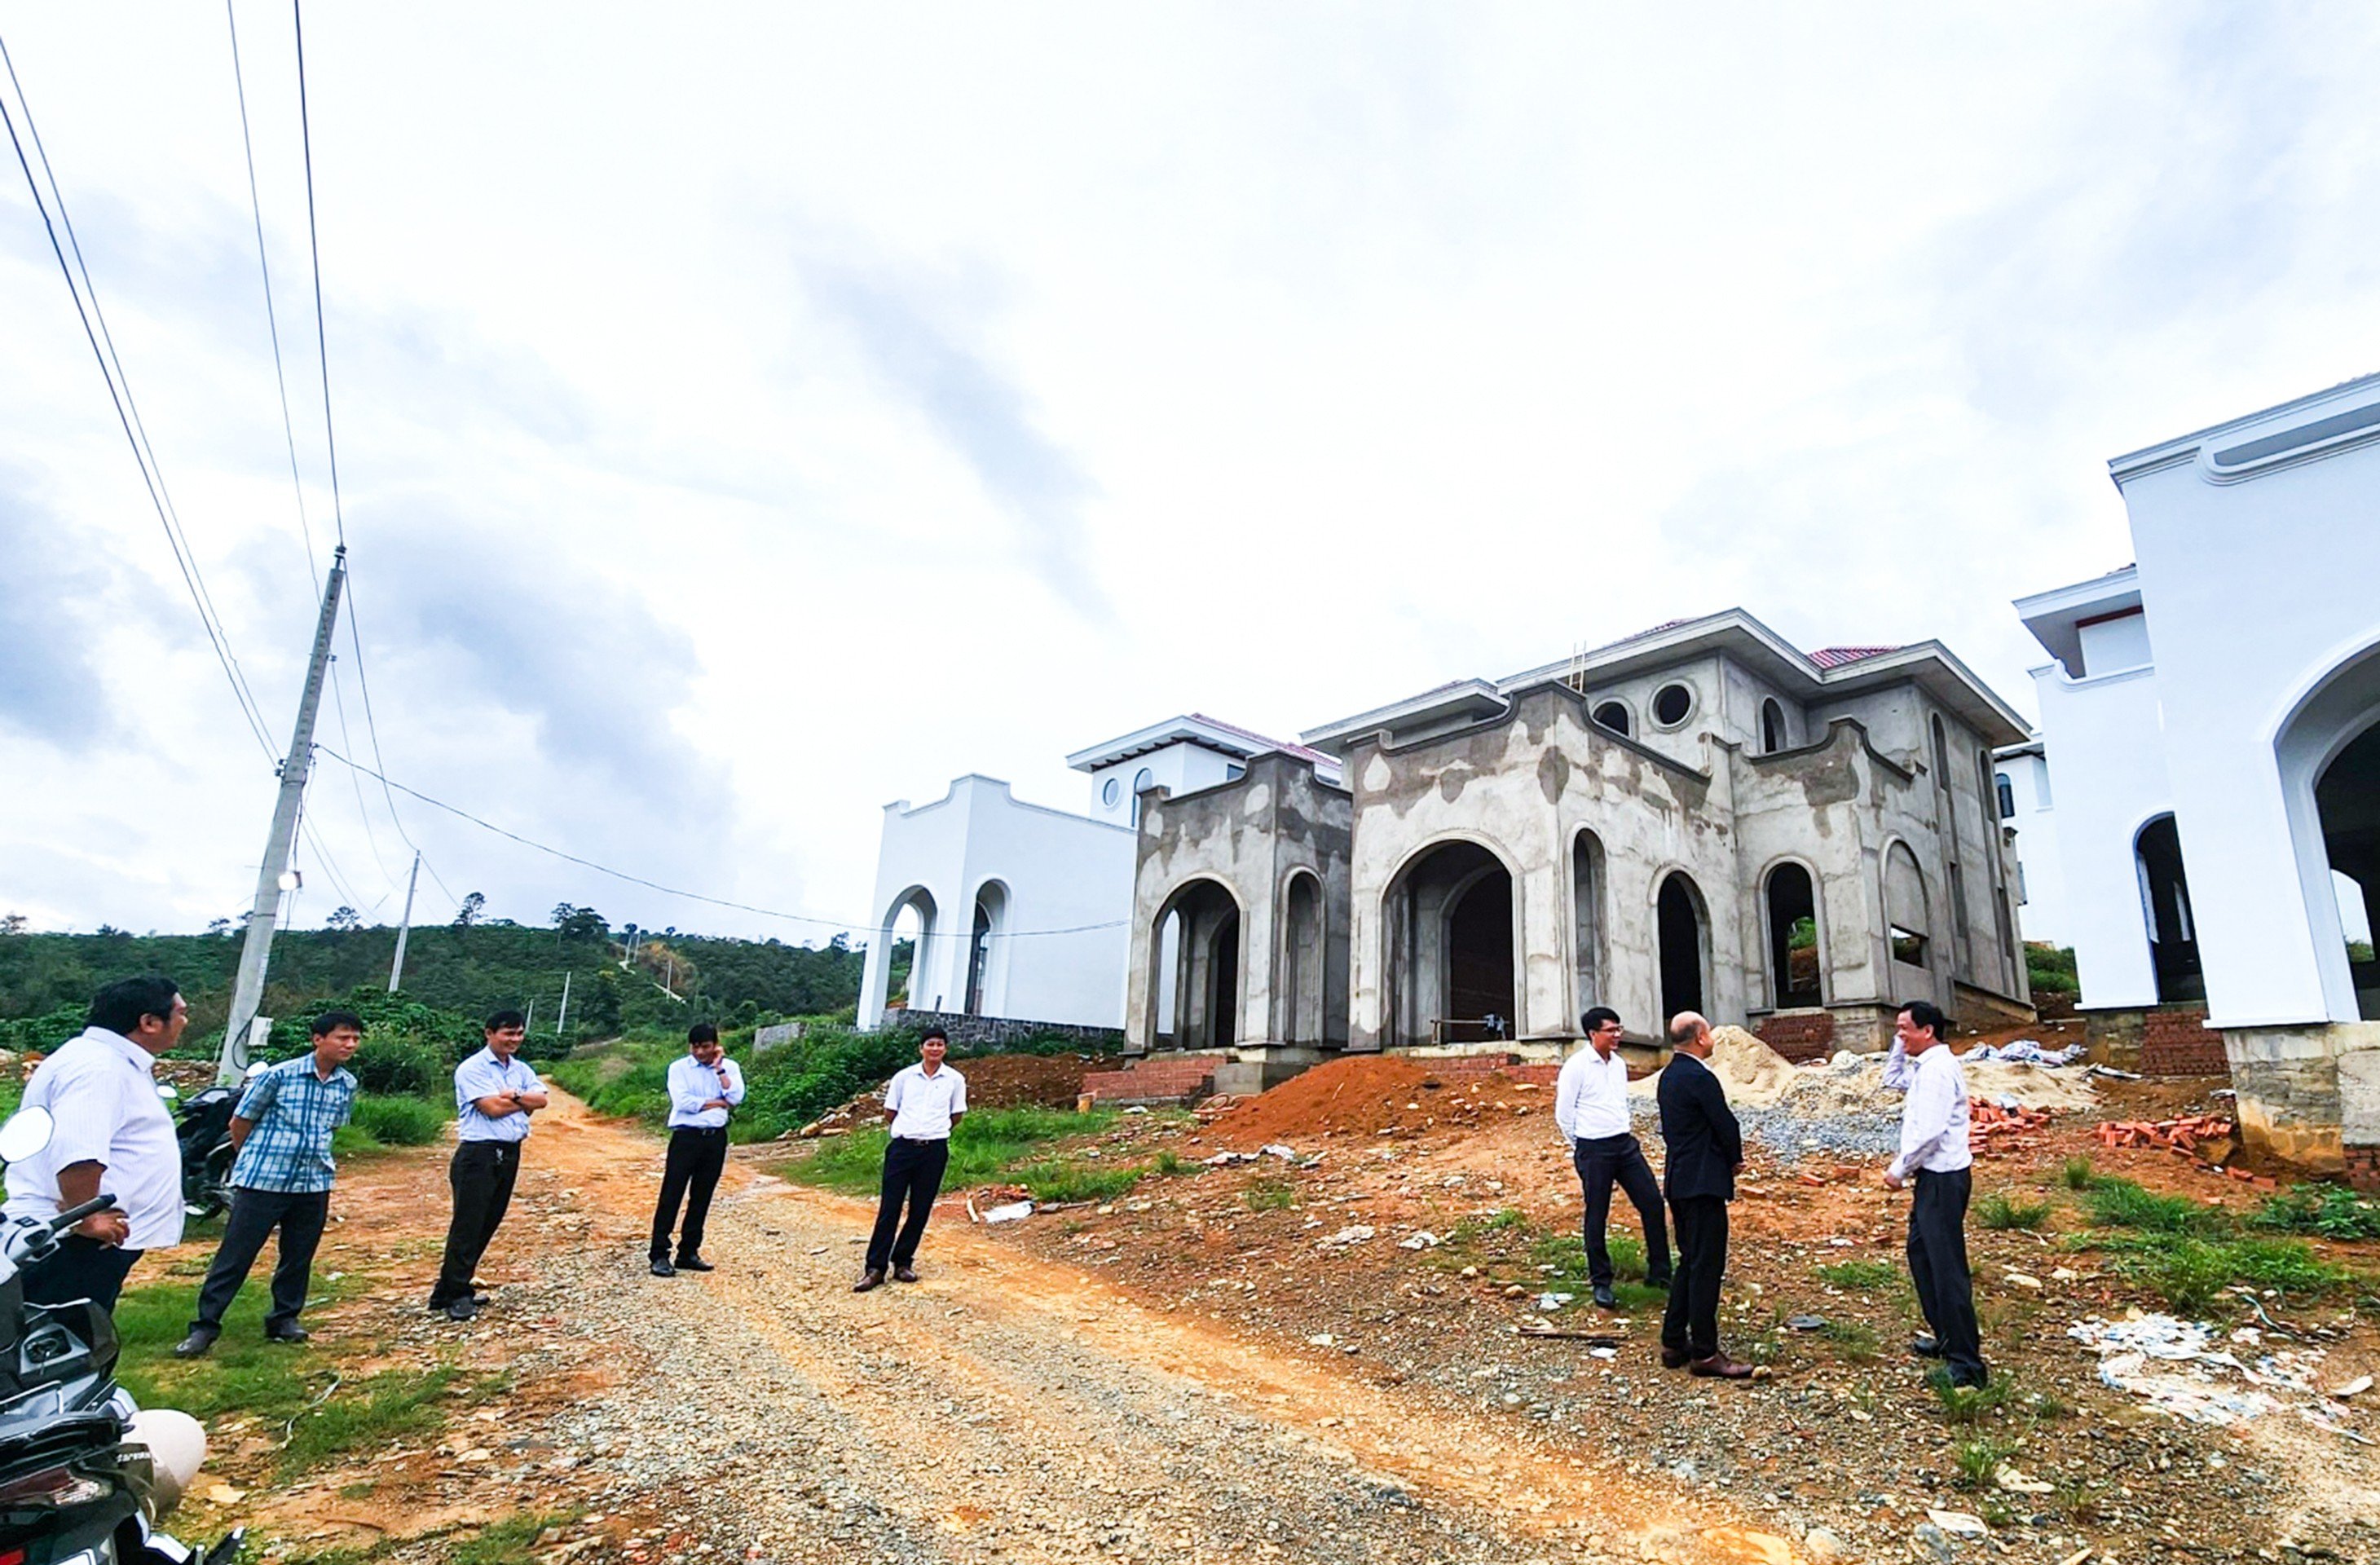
256,952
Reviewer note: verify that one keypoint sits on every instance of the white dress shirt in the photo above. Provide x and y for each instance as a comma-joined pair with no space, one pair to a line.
923,1106
485,1075
693,1084
1591,1096
1934,1116
101,1090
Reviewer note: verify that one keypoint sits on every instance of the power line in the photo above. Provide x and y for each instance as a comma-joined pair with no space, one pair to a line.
862,926
314,247
119,391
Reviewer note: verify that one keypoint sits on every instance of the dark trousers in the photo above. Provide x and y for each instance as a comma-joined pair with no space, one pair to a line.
83,1268
481,1176
1617,1160
913,1173
254,1215
1691,1323
1937,1265
690,1175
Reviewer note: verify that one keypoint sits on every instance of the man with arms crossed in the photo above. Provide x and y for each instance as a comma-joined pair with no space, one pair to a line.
495,1093
921,1104
112,1134
704,1087
1934,1156
281,1178
1705,1148
1591,1108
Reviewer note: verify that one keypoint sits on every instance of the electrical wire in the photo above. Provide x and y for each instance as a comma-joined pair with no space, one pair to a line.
850,926
119,391
314,247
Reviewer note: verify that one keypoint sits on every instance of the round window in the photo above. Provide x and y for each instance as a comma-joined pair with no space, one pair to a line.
1111,792
1671,705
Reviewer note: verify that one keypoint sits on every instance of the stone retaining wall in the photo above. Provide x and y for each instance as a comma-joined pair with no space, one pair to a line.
981,1033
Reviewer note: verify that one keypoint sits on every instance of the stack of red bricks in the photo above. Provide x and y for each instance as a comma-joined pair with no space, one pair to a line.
2178,1043
1159,1078
1800,1037
2363,1168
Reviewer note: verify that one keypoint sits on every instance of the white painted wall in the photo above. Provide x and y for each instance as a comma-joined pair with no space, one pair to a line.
2258,586
2112,646
2043,913
1047,870
1183,767
2111,782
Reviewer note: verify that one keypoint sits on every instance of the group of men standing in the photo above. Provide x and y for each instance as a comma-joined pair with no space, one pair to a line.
1704,1146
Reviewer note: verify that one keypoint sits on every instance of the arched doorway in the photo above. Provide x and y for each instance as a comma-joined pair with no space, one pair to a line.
901,958
1448,925
986,967
2165,909
2347,798
1196,948
1303,962
1772,726
1587,929
1792,938
1908,936
1685,945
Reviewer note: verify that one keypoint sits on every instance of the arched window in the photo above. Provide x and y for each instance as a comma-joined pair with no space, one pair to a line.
1142,782
1792,937
1904,907
1941,756
1772,726
2007,792
1614,716
1684,945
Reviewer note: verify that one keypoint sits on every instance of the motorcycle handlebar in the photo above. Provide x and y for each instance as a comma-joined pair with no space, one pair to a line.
73,1215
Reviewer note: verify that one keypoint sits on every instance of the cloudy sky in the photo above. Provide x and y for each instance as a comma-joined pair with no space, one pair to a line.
748,416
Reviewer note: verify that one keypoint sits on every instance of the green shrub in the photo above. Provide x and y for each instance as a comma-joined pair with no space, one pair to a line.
2192,1273
1055,1180
1979,1460
2078,1173
2050,968
400,1122
1269,1195
1967,1404
2120,1203
394,1068
2001,1210
1856,1340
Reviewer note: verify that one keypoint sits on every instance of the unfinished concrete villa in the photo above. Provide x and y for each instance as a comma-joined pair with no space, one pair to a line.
1701,817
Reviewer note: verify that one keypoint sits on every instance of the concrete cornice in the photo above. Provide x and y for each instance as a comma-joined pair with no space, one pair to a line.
1834,728
1378,739
2198,443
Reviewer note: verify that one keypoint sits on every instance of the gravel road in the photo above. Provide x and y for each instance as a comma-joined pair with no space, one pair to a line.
1007,1408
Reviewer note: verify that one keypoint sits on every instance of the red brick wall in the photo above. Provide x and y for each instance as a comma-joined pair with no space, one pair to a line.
2178,1043
2363,1168
1161,1078
1799,1037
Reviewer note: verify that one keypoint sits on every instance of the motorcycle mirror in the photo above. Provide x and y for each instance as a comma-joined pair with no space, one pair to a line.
24,1135
168,1091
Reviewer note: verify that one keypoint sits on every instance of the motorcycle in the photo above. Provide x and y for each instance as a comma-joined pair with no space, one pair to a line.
202,1126
85,1475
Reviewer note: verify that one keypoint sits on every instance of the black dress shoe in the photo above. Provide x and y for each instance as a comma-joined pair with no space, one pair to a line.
662,1268
196,1344
1925,1347
904,1274
872,1278
693,1262
1675,1358
293,1333
463,1309
1605,1298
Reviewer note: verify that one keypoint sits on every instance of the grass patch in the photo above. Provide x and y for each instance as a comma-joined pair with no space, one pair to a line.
401,1122
1863,1276
1854,1341
988,1147
2120,1203
2190,1274
1503,1219
502,1543
2078,1173
389,1405
1269,1194
2330,1211
1968,1404
1979,1460
2002,1210
1053,1180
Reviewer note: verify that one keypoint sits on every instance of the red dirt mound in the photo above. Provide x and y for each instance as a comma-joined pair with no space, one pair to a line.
993,1081
1364,1095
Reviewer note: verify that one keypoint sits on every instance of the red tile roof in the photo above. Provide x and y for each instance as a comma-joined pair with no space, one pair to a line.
1835,657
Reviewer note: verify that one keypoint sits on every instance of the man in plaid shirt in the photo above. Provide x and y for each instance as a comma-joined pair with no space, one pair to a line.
281,1178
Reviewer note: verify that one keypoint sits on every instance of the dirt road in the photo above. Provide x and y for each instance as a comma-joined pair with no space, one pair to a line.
1008,1407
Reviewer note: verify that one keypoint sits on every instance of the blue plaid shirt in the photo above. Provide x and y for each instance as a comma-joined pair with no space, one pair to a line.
293,1110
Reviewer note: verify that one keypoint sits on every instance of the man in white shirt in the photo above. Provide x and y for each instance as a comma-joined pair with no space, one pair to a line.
1591,1108
704,1087
112,1134
921,1105
495,1093
1934,1157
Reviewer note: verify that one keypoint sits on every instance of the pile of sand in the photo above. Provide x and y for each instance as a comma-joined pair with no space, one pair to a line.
1756,1076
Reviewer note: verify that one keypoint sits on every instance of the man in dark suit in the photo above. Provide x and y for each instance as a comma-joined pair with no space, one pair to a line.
1705,1148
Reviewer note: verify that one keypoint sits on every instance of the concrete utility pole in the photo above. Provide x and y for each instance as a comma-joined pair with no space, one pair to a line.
565,1016
249,993
405,925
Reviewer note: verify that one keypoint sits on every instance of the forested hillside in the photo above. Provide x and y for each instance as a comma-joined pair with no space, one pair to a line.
474,966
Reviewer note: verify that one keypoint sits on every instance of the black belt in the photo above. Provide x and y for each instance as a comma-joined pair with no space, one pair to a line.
923,1140
697,1130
